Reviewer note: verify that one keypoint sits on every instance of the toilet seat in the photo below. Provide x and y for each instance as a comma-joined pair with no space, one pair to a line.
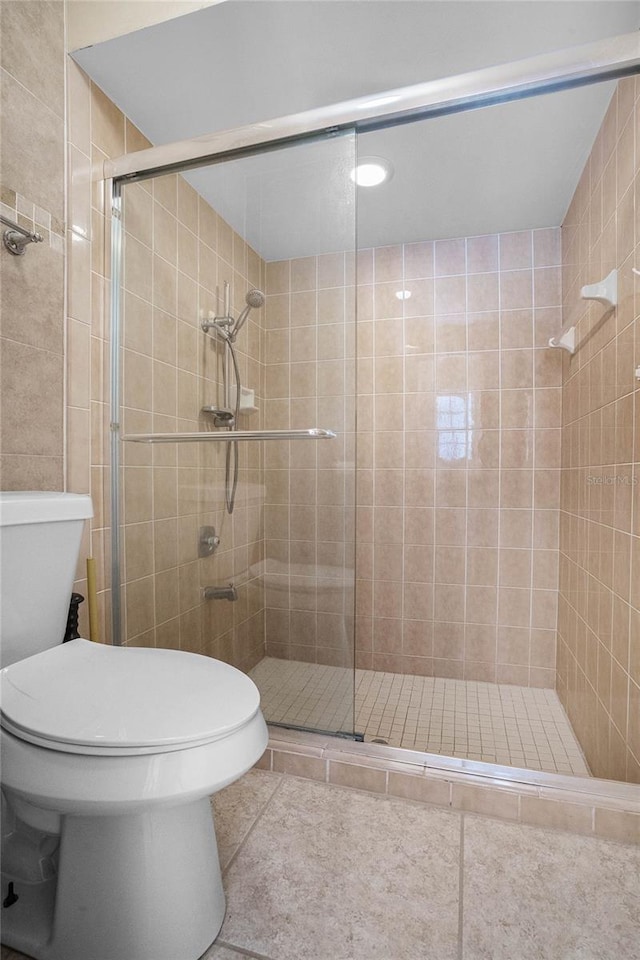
96,699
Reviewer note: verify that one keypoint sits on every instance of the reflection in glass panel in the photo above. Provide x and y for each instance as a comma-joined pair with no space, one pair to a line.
238,313
471,257
453,421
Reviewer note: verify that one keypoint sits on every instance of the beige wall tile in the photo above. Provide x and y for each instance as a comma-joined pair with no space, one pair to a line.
516,250
617,825
165,192
278,277
79,197
450,257
107,124
33,50
488,801
597,438
31,419
32,149
34,289
19,472
78,450
550,813
420,788
139,606
418,260
138,209
310,768
363,778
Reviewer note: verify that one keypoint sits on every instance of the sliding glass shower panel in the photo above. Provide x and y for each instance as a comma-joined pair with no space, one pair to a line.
238,314
496,468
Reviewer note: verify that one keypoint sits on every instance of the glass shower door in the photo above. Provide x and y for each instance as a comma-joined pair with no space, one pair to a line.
237,316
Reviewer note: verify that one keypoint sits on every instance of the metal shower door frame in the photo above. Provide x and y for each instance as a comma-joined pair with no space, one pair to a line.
577,66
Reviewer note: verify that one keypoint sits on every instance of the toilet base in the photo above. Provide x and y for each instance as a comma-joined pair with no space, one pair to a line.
144,886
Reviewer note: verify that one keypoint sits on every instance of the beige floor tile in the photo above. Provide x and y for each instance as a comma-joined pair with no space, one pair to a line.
537,894
236,808
220,952
335,874
331,874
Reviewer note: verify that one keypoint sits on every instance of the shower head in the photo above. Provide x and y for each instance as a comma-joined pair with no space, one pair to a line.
254,299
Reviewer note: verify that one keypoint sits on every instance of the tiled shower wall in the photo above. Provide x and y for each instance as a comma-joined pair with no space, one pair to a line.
599,608
309,485
32,193
177,254
459,447
459,412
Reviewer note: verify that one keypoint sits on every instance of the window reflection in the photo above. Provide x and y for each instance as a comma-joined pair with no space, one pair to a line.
454,421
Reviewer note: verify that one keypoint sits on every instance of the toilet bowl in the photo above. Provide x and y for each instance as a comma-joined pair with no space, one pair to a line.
110,755
115,751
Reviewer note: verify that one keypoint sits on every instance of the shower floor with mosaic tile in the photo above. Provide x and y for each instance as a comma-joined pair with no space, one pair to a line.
495,723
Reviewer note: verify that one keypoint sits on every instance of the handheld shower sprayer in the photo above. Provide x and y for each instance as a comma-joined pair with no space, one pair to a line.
254,300
225,326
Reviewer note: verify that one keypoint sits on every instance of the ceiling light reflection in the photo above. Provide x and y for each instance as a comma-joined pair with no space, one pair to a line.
371,171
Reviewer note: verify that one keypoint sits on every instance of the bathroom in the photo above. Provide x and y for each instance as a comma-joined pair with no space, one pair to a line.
495,568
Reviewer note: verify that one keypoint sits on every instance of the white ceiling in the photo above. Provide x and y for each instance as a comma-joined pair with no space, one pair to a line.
502,168
92,21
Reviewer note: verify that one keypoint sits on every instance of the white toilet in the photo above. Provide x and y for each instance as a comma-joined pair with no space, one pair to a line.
109,756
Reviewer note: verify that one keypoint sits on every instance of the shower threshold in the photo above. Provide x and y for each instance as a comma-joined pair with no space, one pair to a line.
493,723
340,734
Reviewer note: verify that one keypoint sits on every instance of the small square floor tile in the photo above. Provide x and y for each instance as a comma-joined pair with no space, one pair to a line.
525,725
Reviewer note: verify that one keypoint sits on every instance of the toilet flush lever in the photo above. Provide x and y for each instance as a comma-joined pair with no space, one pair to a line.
209,541
11,897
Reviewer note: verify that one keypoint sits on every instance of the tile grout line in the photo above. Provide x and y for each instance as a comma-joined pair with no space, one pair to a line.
239,950
259,816
461,892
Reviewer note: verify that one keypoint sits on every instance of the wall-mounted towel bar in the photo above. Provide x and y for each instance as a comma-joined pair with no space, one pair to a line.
566,340
605,292
16,237
230,436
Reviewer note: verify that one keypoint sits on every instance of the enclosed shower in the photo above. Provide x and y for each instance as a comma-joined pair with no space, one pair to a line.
378,444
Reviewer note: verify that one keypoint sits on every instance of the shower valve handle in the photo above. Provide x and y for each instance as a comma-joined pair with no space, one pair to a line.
208,542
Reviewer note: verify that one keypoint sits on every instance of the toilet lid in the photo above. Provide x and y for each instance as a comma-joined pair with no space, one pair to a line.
95,697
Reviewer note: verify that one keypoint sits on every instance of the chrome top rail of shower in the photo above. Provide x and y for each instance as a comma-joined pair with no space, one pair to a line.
576,66
230,436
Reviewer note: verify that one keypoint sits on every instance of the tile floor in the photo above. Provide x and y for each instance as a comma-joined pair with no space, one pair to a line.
496,723
319,872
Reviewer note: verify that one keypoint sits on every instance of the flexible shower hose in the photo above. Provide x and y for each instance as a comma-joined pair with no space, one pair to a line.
231,485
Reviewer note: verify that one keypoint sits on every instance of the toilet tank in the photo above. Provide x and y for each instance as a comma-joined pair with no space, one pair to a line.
40,535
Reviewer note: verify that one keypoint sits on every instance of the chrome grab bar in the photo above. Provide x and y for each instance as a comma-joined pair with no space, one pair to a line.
230,436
